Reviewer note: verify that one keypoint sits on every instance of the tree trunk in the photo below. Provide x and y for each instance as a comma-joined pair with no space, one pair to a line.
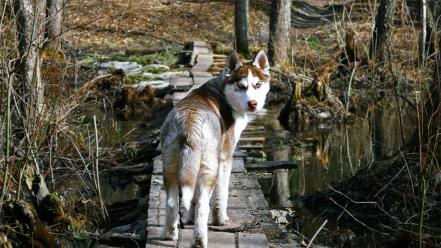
30,17
280,23
383,25
433,14
241,26
432,105
54,27
423,37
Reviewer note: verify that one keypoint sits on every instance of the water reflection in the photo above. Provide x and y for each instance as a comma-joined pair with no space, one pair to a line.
325,153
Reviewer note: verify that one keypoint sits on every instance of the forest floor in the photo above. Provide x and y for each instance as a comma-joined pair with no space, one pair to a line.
118,25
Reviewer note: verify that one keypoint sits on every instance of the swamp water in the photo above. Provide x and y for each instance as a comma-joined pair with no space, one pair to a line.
325,154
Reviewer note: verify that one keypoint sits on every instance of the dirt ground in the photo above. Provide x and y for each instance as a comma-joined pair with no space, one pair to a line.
116,25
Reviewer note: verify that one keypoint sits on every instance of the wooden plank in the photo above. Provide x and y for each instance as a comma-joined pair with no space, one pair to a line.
215,239
157,165
252,133
181,83
272,165
216,60
202,80
177,96
218,63
238,165
201,74
252,240
200,43
254,128
252,139
245,196
203,62
220,56
201,50
250,147
239,153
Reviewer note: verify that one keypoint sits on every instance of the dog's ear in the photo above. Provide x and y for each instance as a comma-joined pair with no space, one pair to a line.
233,63
261,61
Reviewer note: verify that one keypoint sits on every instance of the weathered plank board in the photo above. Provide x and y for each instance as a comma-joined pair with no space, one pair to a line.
203,62
254,139
216,239
177,96
248,240
272,165
220,56
250,147
255,128
181,83
238,165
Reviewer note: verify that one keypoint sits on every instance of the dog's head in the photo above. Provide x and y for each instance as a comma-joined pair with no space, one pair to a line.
246,84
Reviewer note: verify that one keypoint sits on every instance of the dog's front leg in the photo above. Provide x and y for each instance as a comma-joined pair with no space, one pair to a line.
220,217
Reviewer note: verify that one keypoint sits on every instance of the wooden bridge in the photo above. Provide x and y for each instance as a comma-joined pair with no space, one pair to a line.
247,207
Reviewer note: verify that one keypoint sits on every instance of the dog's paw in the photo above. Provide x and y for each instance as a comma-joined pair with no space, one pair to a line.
221,220
169,234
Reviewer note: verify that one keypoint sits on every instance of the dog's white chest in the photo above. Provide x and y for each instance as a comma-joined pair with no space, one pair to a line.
240,122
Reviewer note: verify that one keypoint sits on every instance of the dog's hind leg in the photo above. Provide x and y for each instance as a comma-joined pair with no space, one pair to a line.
220,217
204,189
190,159
170,230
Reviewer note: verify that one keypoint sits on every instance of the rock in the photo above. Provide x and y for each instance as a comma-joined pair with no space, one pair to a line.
169,74
157,84
50,208
127,67
134,233
280,216
156,67
438,179
148,74
324,115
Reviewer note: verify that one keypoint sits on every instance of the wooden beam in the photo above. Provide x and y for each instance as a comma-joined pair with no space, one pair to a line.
271,165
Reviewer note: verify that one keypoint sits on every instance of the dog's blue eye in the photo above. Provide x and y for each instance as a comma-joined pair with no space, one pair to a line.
258,85
241,86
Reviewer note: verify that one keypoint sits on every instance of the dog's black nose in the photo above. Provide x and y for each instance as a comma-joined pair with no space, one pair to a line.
252,105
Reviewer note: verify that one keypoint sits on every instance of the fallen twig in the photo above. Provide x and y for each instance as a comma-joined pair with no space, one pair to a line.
316,233
357,220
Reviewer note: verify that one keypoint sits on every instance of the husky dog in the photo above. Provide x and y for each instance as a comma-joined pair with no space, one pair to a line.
198,139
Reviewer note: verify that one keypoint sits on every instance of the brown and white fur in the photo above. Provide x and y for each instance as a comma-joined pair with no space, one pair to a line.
198,139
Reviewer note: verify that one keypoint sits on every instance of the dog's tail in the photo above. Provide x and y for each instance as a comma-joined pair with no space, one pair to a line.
190,160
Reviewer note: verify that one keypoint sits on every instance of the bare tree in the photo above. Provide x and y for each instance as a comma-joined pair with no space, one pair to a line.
30,18
383,25
432,18
54,28
432,106
423,32
280,23
241,26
